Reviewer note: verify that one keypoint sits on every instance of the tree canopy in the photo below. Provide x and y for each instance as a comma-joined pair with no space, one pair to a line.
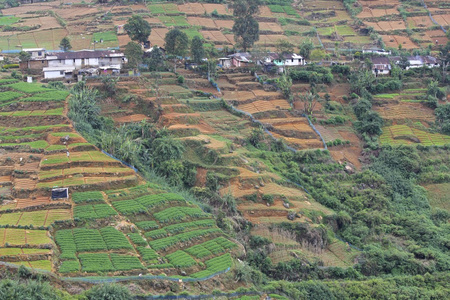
246,28
197,49
176,42
134,53
65,44
138,29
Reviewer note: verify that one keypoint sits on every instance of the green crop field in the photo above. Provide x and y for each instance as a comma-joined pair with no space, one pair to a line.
69,266
93,196
95,262
97,211
8,96
8,20
29,88
181,259
405,135
216,264
106,36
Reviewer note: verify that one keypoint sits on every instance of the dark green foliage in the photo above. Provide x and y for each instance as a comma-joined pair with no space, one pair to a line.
33,290
134,53
443,118
246,28
109,292
176,42
65,44
197,50
155,60
138,29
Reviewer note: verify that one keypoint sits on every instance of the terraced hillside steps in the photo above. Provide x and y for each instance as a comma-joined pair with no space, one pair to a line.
270,108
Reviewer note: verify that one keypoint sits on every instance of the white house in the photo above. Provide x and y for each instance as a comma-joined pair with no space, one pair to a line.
285,59
225,62
84,58
58,72
377,51
381,66
35,52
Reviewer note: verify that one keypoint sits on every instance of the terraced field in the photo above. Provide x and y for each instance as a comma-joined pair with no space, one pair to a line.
149,229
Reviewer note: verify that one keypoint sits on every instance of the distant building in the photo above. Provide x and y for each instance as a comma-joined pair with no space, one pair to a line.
65,72
225,62
241,59
381,66
36,53
418,61
274,62
63,64
377,51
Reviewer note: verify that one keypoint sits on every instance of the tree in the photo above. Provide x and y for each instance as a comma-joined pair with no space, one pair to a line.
176,42
110,85
317,54
109,292
133,52
285,47
284,83
138,29
65,44
306,48
246,28
309,101
404,62
24,56
197,50
444,57
443,118
155,60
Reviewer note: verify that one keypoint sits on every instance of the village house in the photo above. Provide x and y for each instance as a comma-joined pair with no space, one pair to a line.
241,59
277,62
65,64
381,66
418,61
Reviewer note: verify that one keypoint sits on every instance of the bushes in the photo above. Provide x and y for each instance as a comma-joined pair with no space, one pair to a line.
87,197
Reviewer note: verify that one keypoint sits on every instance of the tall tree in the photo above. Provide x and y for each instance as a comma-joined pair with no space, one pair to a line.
133,52
246,28
65,44
155,60
444,57
176,44
197,50
306,48
138,29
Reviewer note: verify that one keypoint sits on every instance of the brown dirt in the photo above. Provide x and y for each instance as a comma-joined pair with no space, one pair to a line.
200,179
202,127
414,111
202,22
131,118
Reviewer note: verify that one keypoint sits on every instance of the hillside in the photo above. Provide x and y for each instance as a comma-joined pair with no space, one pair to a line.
348,25
112,214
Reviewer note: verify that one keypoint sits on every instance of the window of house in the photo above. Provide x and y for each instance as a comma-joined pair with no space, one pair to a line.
39,53
74,60
61,72
292,60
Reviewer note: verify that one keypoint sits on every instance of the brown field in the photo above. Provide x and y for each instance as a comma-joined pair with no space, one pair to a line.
269,26
443,20
321,5
215,36
228,24
264,11
395,40
261,106
156,37
271,39
220,8
202,22
300,143
192,8
74,12
421,21
374,3
22,10
413,111
377,12
131,118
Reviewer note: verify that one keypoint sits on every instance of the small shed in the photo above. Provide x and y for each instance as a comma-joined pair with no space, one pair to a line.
65,72
225,62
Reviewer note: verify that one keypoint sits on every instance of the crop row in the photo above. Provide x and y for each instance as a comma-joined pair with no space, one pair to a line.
181,259
97,211
141,204
165,243
214,265
82,239
217,245
102,262
177,228
137,239
178,213
81,197
69,266
147,254
147,225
